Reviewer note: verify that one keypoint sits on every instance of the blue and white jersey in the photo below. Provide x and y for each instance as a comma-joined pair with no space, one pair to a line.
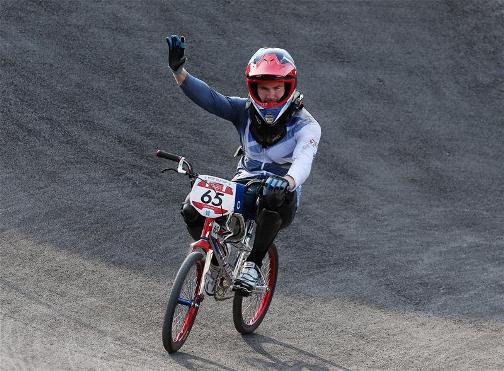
293,155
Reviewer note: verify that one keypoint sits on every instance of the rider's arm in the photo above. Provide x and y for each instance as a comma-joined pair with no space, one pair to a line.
306,148
228,108
180,77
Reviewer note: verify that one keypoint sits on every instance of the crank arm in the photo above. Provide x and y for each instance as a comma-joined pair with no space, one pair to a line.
260,289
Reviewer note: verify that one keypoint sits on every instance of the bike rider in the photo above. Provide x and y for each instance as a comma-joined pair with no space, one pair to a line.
278,136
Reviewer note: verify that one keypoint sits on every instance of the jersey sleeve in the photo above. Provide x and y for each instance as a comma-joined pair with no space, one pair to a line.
306,148
228,108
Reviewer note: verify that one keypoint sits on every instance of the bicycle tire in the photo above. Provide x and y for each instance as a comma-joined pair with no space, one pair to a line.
180,315
249,311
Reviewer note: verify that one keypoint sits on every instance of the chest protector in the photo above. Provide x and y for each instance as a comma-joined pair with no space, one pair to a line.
268,134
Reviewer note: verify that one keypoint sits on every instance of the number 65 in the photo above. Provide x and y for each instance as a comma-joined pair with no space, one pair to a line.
216,200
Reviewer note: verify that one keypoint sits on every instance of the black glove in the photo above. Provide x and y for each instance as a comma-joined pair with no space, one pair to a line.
274,191
275,184
176,47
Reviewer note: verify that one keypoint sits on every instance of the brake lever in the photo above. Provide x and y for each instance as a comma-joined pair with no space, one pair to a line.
169,169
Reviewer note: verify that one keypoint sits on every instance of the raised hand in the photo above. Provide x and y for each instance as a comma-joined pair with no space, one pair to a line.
176,49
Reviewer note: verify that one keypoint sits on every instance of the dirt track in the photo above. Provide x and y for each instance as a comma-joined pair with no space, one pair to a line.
396,258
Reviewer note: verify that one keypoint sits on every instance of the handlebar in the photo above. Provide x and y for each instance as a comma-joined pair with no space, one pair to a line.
181,162
168,156
189,170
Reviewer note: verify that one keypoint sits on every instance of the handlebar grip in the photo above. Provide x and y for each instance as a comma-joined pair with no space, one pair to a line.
168,156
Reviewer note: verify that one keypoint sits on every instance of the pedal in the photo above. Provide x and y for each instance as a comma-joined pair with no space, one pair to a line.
242,289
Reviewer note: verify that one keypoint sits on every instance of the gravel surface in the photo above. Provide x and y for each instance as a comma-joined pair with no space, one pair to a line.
396,257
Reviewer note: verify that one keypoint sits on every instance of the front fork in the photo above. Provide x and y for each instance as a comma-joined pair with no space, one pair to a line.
206,267
210,244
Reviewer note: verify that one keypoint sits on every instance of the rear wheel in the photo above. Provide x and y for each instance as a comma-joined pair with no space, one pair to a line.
249,311
184,302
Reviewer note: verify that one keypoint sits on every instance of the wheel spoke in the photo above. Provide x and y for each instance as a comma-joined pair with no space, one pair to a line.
181,320
249,311
252,303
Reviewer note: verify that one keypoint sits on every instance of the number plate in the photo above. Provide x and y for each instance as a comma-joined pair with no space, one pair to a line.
213,197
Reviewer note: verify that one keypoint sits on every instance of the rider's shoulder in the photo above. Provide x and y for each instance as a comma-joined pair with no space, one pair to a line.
238,103
303,118
243,101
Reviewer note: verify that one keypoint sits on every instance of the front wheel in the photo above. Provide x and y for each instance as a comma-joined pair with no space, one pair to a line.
249,311
184,302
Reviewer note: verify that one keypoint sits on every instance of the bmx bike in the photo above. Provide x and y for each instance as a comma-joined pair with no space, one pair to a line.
228,233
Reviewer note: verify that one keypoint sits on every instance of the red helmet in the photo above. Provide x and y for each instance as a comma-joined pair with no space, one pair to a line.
271,64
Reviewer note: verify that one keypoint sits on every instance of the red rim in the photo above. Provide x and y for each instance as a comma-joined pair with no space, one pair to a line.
186,326
191,313
267,296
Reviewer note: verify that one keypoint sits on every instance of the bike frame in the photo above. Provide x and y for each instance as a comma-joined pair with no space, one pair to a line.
227,232
211,242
